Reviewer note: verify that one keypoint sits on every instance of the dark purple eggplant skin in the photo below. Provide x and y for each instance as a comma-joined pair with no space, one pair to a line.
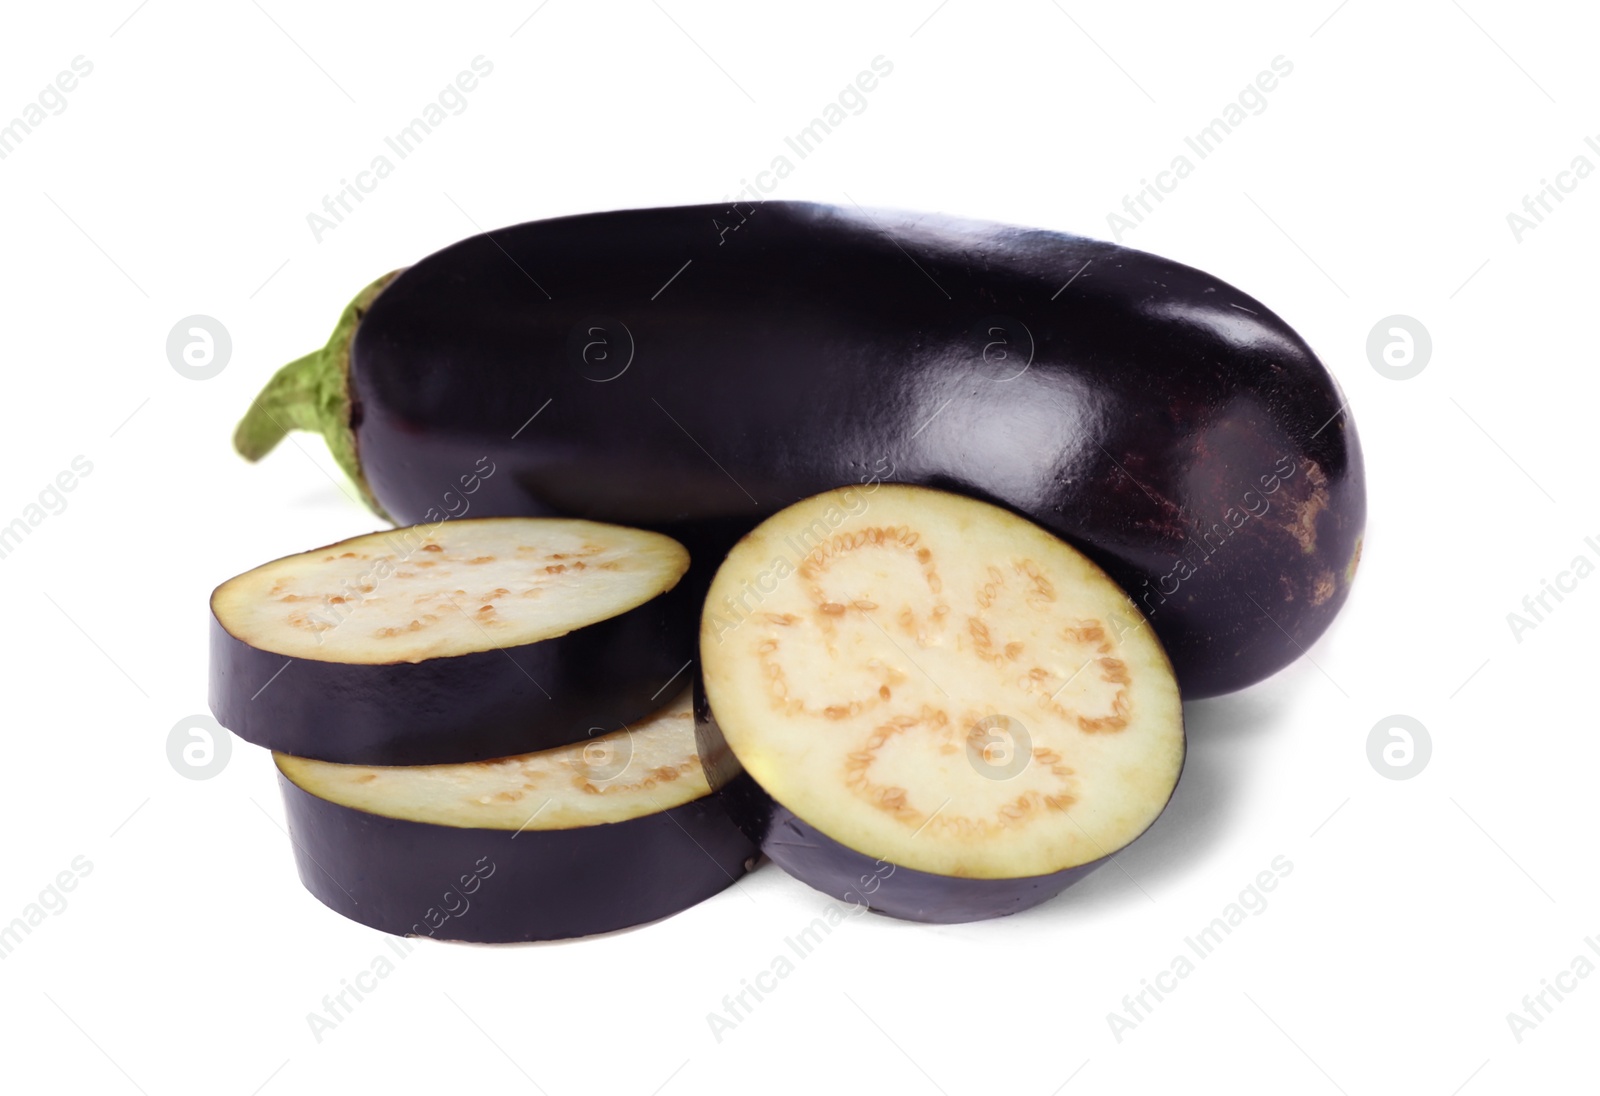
819,861
502,886
471,707
835,869
658,368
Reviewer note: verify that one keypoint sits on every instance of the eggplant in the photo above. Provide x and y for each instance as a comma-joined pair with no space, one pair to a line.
602,835
953,713
694,370
455,641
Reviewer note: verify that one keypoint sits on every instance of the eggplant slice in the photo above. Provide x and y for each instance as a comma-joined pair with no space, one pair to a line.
588,838
954,713
457,641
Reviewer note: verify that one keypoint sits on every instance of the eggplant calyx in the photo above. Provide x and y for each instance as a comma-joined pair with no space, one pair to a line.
313,393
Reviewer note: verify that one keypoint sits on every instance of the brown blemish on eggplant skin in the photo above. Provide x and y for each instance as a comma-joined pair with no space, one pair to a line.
1303,527
1323,589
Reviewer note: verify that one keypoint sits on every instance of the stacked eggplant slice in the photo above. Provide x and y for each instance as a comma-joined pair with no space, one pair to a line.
482,728
462,641
581,839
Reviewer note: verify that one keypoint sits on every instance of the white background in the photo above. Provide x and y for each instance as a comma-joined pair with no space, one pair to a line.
1377,181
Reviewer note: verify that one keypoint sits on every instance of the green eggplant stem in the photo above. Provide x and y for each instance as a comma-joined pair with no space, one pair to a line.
313,393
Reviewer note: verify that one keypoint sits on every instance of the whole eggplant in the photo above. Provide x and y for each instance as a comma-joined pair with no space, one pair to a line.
695,369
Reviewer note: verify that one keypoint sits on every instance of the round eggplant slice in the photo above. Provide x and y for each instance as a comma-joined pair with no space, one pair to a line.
588,838
954,713
456,641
